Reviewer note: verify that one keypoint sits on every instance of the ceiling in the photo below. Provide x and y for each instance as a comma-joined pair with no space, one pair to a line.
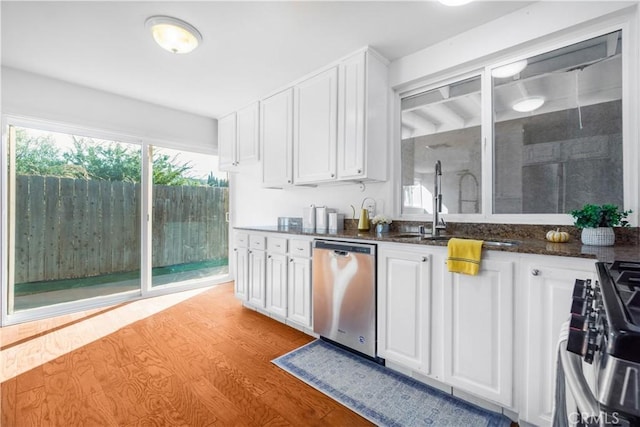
249,48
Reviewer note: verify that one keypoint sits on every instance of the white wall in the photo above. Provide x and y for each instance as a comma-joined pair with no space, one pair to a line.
501,36
252,205
35,96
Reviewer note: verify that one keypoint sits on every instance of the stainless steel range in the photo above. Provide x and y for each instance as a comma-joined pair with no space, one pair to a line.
605,332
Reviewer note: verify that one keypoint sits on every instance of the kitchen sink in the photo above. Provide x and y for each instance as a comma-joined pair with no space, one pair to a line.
429,238
406,236
436,238
496,244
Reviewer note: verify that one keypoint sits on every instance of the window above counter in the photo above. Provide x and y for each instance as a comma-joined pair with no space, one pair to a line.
505,158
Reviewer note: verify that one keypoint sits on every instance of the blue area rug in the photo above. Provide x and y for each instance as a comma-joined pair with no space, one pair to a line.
379,394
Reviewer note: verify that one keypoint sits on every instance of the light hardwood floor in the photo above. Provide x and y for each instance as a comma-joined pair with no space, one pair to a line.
201,362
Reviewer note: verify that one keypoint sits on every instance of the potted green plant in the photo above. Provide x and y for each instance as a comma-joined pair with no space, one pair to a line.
596,222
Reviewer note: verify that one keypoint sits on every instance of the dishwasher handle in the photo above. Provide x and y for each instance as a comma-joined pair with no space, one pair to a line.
334,245
341,254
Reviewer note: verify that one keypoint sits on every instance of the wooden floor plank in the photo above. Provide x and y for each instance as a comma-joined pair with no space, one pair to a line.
203,362
9,402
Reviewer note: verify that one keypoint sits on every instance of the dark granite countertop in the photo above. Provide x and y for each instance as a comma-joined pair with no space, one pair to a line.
527,242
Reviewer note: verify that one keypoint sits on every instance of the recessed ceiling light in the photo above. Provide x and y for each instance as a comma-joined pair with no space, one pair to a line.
528,104
509,69
454,2
173,34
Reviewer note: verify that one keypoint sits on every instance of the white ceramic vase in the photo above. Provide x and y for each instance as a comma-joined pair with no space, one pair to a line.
600,236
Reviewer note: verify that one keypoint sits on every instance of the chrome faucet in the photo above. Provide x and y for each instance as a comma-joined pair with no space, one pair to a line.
438,223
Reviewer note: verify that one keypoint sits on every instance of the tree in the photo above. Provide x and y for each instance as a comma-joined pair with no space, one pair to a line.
214,181
111,161
39,155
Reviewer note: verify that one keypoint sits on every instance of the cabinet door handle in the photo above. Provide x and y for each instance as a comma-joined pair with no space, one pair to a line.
424,259
359,170
333,175
291,260
288,181
269,256
535,272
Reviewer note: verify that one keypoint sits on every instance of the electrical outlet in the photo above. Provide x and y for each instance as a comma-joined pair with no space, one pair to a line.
370,205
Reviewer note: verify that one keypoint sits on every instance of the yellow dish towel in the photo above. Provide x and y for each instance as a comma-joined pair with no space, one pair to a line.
464,256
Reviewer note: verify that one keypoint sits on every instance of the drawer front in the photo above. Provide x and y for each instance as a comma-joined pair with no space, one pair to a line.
277,245
257,242
242,240
300,248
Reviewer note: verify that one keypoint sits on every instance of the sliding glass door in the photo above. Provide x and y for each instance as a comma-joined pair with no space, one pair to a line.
83,231
74,218
190,237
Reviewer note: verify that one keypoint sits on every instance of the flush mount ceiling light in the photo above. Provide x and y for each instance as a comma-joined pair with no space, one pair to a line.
509,69
454,2
172,34
527,105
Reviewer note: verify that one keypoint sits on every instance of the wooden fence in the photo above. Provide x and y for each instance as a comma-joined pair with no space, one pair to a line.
72,228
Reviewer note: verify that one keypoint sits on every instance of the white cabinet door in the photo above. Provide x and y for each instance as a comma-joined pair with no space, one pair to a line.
248,134
227,142
299,291
550,285
276,139
478,331
351,119
404,307
277,284
241,284
257,277
315,128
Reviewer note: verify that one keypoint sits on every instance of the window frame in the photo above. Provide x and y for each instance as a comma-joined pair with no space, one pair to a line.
6,228
483,68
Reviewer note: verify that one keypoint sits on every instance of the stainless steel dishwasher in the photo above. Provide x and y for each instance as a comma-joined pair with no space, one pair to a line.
344,294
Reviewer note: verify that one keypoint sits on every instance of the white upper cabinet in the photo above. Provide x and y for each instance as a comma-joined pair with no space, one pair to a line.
248,131
315,128
276,139
238,142
330,127
227,142
362,118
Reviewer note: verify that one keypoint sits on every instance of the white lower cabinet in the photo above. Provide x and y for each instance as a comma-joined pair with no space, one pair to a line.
478,331
276,284
241,285
549,282
241,266
299,283
276,280
404,307
257,276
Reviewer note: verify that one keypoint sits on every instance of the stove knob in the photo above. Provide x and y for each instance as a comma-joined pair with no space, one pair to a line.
580,289
578,322
591,346
579,306
575,341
